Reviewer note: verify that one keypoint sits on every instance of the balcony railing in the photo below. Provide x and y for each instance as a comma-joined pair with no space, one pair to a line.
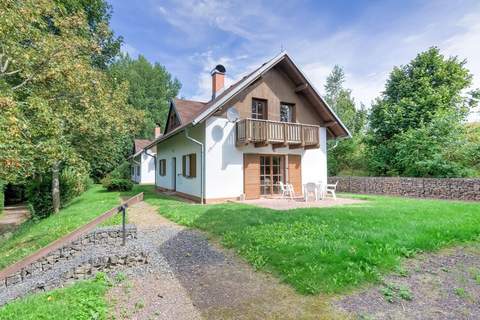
277,133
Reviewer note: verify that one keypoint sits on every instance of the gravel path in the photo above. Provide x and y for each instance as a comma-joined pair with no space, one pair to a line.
194,279
444,285
12,217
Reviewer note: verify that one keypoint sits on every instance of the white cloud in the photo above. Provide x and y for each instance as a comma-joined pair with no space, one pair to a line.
204,80
466,44
242,35
195,17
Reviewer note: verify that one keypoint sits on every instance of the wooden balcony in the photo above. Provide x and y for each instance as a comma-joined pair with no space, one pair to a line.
278,134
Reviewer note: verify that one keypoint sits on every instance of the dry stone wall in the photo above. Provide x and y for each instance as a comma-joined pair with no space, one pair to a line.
99,250
451,188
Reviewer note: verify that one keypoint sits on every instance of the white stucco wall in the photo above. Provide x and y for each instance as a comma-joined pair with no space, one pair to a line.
224,161
147,168
176,147
135,177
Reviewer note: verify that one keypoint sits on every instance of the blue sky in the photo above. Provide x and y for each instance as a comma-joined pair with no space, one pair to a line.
367,38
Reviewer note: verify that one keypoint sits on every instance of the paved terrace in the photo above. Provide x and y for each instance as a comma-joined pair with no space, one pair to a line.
287,204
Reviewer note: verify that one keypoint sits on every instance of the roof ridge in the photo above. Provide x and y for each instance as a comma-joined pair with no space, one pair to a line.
190,100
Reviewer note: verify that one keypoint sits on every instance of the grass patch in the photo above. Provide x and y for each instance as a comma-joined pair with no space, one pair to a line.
332,249
33,235
82,300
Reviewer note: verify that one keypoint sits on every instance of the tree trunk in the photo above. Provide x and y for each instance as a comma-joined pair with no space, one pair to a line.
56,187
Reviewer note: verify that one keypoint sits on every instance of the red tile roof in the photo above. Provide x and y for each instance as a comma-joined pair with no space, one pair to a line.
140,144
189,109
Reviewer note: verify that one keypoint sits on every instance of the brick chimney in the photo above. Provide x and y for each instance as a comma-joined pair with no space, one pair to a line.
158,132
218,80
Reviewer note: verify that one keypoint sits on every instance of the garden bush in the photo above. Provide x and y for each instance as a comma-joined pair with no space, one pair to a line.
73,182
118,179
121,172
115,184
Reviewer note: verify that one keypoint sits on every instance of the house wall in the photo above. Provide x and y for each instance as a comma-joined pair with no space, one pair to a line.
147,174
146,164
224,161
177,146
135,165
275,87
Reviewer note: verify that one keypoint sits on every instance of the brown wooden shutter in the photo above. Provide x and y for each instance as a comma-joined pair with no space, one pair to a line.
193,165
295,172
163,167
251,176
184,166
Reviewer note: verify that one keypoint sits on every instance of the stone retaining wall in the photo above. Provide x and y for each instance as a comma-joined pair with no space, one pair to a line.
102,236
451,188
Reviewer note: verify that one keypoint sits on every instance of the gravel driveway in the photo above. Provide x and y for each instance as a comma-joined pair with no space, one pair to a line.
188,277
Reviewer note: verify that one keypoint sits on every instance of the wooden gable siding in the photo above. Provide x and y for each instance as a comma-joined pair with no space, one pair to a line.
275,87
251,176
172,120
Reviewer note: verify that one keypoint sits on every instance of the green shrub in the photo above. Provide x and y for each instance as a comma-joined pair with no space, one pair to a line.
118,179
39,195
73,182
121,172
114,184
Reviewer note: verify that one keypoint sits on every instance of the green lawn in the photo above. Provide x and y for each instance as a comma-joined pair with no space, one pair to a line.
84,300
330,250
33,235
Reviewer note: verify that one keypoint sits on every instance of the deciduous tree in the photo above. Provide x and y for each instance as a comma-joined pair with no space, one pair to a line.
415,124
150,89
50,85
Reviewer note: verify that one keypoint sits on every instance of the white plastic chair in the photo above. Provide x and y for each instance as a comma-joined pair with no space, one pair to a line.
290,189
286,189
310,188
320,190
331,188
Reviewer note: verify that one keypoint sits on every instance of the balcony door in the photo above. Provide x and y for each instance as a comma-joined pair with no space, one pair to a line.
272,171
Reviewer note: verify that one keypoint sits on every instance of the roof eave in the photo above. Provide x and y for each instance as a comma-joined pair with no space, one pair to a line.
168,135
337,118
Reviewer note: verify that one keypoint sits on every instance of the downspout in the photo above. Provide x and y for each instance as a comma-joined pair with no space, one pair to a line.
154,162
202,186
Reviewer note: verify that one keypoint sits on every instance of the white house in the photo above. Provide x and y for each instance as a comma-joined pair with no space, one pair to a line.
143,160
270,126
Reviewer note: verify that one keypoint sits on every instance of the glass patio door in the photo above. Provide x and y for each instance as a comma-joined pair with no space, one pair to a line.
272,170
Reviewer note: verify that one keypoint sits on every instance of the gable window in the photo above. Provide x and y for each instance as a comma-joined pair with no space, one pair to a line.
162,167
189,165
287,112
259,109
